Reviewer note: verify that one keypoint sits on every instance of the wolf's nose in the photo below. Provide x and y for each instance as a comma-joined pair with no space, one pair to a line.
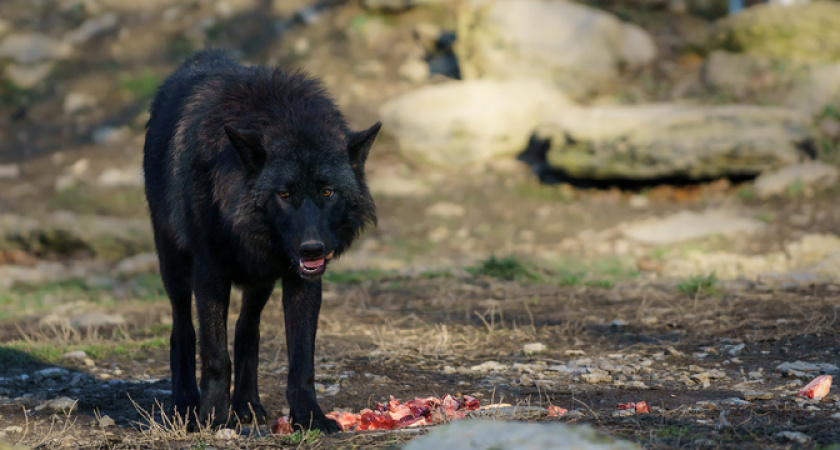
312,249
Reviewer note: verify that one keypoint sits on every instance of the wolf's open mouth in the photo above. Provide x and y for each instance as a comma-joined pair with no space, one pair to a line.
313,267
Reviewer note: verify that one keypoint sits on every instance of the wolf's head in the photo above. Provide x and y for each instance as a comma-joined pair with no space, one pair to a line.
309,189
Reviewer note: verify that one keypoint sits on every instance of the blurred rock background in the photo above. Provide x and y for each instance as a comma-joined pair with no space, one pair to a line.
664,137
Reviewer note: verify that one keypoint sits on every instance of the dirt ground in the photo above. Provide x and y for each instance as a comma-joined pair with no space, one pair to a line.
463,271
704,358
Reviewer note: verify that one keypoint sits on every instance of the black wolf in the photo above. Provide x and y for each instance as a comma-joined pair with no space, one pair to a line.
252,175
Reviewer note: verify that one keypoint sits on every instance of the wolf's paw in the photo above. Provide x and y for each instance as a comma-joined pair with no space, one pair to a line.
249,413
315,421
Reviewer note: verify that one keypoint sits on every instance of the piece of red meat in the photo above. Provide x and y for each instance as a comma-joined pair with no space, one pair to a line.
345,419
399,412
556,411
640,407
449,403
375,420
818,388
469,403
281,427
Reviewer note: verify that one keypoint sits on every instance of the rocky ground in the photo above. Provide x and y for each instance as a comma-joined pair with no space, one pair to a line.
636,270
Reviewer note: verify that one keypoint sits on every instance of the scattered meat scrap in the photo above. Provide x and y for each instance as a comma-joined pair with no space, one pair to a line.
640,407
818,388
556,411
394,414
281,426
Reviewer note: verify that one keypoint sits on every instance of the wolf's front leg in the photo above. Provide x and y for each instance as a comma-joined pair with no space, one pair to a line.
212,298
301,305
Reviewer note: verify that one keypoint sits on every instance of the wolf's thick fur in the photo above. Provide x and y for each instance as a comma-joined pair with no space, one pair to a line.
252,175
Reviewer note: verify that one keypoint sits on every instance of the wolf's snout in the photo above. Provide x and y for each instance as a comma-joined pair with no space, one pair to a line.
312,250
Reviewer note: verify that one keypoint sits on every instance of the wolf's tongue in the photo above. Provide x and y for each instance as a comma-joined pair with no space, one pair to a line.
314,264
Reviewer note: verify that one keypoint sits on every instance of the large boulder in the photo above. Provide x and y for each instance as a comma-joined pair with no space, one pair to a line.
665,140
786,179
492,434
64,233
816,90
803,32
28,48
460,123
573,46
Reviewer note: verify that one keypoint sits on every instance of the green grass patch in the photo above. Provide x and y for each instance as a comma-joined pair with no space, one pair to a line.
122,202
603,284
508,268
796,188
139,85
436,273
570,279
746,193
300,438
27,298
52,353
673,431
697,284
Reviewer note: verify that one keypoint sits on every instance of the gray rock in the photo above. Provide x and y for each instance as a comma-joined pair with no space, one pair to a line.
109,238
28,76
50,373
414,70
757,395
446,210
78,101
802,33
77,354
93,27
660,140
34,47
488,366
41,273
810,174
226,434
802,368
794,436
830,127
488,434
110,135
58,404
106,421
114,177
138,264
95,319
812,92
734,73
9,171
573,46
534,348
510,412
459,124
596,376
688,225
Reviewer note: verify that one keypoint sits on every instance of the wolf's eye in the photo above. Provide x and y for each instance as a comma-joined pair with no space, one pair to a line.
283,195
327,192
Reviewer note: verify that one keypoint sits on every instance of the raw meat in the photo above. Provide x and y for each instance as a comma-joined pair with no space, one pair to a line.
818,388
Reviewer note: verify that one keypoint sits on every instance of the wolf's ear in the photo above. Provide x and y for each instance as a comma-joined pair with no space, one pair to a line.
249,148
359,145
